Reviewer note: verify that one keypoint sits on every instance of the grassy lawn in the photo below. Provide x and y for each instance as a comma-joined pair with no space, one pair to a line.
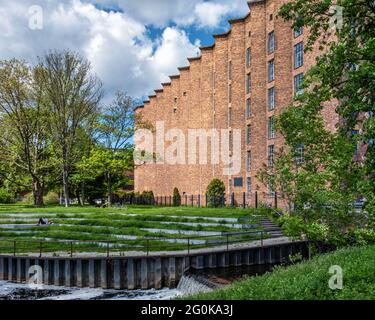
186,211
309,280
131,228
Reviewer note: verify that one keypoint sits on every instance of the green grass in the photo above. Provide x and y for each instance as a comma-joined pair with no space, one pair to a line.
309,280
182,211
104,224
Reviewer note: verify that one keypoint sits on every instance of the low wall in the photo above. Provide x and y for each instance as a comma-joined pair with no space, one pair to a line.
139,272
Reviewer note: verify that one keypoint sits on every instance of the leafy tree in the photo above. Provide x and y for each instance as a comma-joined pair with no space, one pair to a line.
112,166
73,94
115,130
216,192
176,197
325,184
24,144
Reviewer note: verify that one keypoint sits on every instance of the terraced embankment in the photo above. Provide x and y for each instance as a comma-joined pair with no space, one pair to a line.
134,229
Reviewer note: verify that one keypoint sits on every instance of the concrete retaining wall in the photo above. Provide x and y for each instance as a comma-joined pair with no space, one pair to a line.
138,272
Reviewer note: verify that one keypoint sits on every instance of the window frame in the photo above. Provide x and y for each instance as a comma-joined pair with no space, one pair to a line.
299,55
271,42
271,128
248,108
298,76
271,102
271,75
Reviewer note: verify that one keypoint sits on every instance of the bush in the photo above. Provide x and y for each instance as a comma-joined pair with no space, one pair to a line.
6,197
176,197
147,198
51,198
28,198
216,193
309,280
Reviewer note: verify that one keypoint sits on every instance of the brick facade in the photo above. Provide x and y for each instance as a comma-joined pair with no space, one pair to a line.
199,98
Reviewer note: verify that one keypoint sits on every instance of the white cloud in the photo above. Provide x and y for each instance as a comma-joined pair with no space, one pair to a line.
116,43
211,14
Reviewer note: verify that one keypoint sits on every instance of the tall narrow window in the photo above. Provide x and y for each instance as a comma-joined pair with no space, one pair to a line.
248,162
271,42
248,187
271,128
271,156
271,99
248,135
298,55
230,93
298,79
230,141
271,186
248,108
298,32
271,70
300,154
248,83
229,117
248,57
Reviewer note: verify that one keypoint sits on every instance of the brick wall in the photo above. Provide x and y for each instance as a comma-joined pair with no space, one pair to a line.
198,98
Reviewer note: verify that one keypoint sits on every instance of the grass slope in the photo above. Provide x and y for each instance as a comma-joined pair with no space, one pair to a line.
309,280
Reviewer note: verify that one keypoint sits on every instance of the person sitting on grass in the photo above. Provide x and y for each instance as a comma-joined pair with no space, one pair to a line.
43,222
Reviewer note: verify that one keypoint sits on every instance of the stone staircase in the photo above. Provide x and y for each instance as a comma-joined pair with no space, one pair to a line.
272,229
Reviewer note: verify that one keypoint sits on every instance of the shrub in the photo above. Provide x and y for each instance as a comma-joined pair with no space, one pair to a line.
308,280
216,192
51,198
6,197
28,198
147,197
176,197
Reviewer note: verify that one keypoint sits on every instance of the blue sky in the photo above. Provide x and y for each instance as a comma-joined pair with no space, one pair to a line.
133,46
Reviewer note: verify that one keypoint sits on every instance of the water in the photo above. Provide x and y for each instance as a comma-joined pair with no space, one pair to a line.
198,281
11,291
225,276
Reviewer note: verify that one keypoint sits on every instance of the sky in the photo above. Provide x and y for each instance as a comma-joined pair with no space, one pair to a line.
133,45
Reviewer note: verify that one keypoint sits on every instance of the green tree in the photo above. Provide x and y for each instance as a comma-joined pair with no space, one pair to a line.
73,94
216,192
176,197
112,166
325,184
24,143
115,130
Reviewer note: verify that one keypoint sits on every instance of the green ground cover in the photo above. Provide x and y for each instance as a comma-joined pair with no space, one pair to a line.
85,224
309,280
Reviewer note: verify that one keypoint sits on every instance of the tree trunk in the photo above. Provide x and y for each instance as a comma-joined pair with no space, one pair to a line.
83,194
66,186
109,190
37,193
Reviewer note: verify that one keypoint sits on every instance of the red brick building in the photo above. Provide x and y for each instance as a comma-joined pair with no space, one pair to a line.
248,76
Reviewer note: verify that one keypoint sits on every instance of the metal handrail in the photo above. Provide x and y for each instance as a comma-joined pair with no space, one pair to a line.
43,246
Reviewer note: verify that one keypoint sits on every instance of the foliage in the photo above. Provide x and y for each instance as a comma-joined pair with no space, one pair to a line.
108,164
28,198
72,94
216,192
176,197
318,173
309,280
24,145
51,198
147,197
5,196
